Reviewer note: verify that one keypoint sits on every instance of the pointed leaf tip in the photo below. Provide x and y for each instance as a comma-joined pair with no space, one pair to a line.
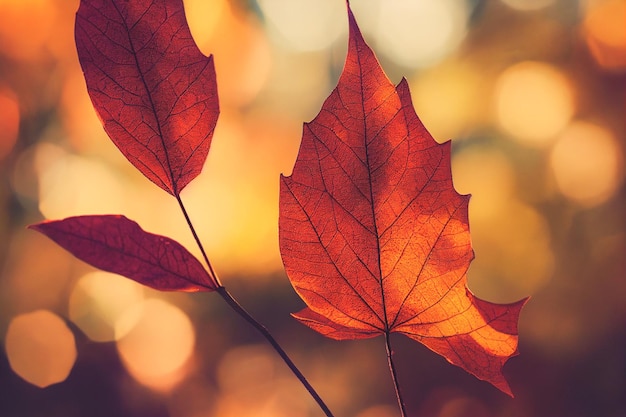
116,244
354,29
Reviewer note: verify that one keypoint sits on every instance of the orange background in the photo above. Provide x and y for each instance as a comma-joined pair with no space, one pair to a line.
532,95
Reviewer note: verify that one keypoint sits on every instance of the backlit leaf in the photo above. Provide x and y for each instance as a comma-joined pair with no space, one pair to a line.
117,244
373,235
153,89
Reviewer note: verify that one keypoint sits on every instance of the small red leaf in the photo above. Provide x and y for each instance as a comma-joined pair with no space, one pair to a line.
153,89
373,235
117,244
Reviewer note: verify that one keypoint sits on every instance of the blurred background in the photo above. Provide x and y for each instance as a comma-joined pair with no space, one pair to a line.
532,94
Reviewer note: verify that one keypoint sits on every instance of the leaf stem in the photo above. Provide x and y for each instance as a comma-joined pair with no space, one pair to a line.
268,336
221,290
195,236
394,374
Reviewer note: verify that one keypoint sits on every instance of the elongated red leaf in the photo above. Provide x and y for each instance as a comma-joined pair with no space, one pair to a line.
153,89
117,244
373,235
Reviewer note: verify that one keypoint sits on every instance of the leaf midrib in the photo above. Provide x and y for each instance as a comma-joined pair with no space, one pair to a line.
169,172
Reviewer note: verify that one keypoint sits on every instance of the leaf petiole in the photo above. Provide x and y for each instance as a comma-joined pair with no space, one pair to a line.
394,375
212,273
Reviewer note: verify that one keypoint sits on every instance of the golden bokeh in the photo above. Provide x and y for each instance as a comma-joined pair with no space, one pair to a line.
514,256
98,301
533,101
35,275
158,345
304,25
587,162
40,347
203,18
85,133
450,99
66,184
241,52
420,34
488,175
511,239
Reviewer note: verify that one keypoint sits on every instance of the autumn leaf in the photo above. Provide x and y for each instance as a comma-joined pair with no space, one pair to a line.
117,244
153,89
373,236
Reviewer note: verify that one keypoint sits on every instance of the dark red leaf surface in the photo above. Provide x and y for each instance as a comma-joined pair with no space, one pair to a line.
373,235
153,89
117,244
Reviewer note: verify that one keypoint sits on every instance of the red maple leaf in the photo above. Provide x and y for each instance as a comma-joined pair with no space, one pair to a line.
373,235
117,244
153,89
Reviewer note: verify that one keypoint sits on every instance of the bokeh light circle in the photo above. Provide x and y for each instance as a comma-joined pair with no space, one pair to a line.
40,348
305,25
99,300
420,33
156,349
587,163
534,102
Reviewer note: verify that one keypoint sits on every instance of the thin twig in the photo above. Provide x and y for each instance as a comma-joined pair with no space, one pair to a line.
221,290
195,236
243,313
394,374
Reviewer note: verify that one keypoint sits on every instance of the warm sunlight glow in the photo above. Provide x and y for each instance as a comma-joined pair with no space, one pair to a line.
514,256
36,274
236,199
305,25
40,348
25,26
80,121
587,163
9,121
534,101
297,86
510,238
527,5
606,34
158,346
98,301
203,17
486,174
242,56
449,99
66,184
420,33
